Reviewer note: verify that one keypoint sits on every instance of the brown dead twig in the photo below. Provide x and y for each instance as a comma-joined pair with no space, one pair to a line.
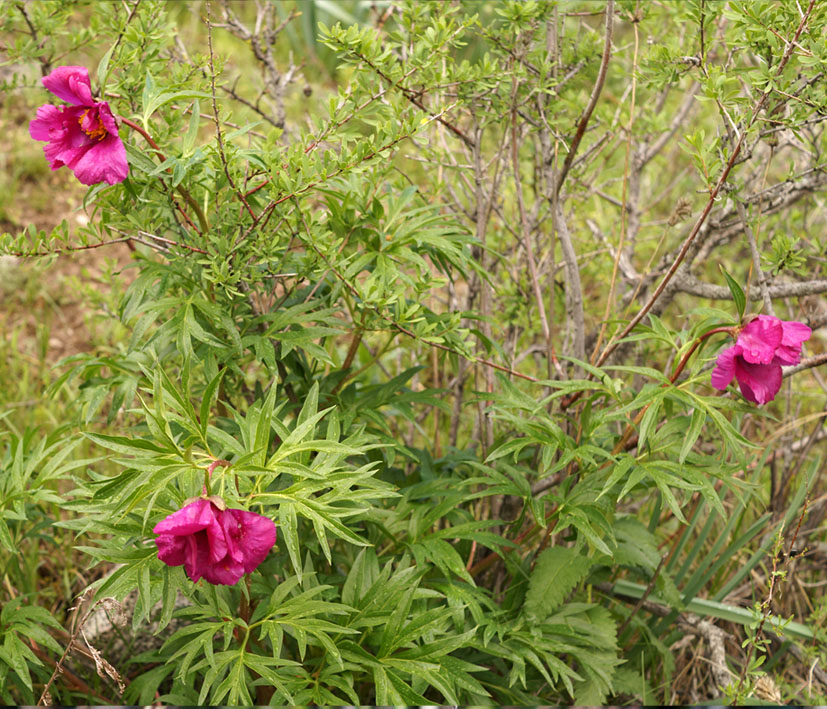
104,668
583,121
218,133
262,38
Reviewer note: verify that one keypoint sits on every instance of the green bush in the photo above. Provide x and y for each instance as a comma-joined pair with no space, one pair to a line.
430,290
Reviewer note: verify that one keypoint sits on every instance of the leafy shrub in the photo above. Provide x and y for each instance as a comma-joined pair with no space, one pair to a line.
349,322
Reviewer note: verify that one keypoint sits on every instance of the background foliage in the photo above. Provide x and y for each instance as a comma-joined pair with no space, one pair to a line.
420,276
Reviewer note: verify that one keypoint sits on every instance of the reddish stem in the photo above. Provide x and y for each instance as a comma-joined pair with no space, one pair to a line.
23,254
694,347
208,471
217,464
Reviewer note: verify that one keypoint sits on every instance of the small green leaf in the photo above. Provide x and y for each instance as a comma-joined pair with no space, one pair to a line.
209,398
648,423
737,293
164,97
103,68
192,131
5,537
695,426
147,96
289,526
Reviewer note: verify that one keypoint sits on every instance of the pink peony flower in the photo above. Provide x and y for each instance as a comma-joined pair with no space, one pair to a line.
218,545
755,359
83,136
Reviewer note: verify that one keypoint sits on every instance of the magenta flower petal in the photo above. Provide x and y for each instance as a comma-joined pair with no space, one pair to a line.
48,117
71,84
186,536
760,338
103,162
725,367
197,563
66,141
107,118
217,545
225,573
795,333
759,383
172,550
188,520
253,534
83,137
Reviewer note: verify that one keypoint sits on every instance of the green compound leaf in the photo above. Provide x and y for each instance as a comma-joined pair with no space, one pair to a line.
557,572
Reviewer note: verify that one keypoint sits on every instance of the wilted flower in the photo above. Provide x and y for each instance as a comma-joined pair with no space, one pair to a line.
755,359
83,136
217,544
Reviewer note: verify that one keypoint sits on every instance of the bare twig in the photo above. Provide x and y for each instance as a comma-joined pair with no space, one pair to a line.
218,133
262,39
126,24
574,291
680,116
690,284
598,87
161,239
78,629
649,588
482,213
525,233
756,258
807,363
65,249
631,174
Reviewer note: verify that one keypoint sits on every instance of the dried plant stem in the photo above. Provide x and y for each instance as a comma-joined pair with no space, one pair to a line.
355,341
66,249
624,209
808,363
691,285
595,95
756,258
649,587
766,606
59,669
574,290
525,233
482,213
218,133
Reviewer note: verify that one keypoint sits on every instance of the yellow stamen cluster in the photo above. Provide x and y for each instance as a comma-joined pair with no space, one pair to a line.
98,133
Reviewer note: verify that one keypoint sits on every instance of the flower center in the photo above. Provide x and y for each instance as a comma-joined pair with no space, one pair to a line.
96,133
